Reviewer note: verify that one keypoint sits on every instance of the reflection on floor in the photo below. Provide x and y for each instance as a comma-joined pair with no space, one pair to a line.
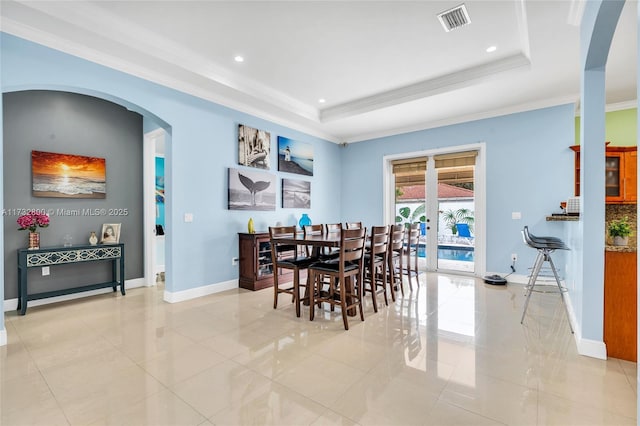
453,352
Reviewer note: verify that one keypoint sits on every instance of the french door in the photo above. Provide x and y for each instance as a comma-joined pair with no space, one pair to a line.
439,190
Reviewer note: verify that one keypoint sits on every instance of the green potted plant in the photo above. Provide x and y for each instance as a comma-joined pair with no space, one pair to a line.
620,230
452,217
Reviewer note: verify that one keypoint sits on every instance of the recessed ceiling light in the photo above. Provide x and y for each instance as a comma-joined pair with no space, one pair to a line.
491,49
322,100
238,58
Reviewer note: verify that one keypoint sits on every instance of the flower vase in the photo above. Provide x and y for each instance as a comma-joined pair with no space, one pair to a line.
304,220
34,240
250,226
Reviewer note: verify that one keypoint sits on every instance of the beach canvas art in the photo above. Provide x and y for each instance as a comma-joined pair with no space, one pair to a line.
295,156
251,190
296,194
67,175
254,147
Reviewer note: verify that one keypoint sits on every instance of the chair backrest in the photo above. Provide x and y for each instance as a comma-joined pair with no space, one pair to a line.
463,230
379,241
312,230
396,238
278,249
352,246
333,228
413,236
353,225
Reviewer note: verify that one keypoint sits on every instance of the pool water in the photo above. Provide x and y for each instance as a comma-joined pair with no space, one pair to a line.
450,253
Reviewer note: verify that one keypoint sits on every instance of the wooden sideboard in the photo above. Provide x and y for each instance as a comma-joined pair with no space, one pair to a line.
256,268
620,306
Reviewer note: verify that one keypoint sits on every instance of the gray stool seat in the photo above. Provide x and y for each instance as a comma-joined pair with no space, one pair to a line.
545,247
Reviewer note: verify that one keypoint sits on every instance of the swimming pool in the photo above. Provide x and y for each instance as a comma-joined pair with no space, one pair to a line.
463,254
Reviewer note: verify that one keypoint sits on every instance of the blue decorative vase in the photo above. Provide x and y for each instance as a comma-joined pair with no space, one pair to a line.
304,220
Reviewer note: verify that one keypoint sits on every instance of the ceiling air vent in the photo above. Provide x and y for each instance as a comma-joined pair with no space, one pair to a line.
454,18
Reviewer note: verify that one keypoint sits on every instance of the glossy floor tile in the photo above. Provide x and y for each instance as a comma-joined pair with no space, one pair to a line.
452,352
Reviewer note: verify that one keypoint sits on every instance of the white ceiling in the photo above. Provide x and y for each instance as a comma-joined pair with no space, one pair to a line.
383,67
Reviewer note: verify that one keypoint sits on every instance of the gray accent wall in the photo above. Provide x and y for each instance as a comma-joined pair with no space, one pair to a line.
70,123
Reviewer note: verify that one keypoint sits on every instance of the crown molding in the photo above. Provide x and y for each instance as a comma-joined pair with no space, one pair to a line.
616,106
100,22
530,106
424,89
253,106
576,10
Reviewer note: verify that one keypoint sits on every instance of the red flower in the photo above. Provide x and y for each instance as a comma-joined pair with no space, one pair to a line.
33,220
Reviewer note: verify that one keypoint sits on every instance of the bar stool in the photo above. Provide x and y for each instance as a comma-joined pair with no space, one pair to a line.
545,246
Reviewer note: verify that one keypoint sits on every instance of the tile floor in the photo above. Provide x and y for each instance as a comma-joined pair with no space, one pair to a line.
451,353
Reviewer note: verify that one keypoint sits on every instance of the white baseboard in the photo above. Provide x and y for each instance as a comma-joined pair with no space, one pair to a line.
193,293
12,304
591,348
586,347
3,337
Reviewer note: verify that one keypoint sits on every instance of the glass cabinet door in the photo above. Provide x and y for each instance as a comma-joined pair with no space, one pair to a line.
265,267
612,176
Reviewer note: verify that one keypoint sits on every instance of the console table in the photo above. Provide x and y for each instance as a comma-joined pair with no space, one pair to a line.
52,256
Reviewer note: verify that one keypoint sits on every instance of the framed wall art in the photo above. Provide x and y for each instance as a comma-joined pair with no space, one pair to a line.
110,233
295,157
296,194
254,147
251,190
67,175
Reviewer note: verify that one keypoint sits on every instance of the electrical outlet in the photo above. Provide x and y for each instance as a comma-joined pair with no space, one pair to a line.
514,257
234,261
45,271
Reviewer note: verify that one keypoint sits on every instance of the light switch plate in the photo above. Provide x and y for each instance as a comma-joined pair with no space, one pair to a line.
188,217
45,271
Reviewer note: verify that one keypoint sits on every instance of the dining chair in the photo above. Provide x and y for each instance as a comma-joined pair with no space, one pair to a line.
286,256
312,230
345,285
353,225
375,265
394,257
332,228
411,243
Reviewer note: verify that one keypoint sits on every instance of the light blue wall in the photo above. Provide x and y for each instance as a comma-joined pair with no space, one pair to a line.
529,170
596,32
201,146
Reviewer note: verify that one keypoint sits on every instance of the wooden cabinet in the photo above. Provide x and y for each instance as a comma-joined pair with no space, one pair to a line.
620,174
620,305
256,268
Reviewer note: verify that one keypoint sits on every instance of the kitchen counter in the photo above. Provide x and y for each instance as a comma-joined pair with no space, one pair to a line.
562,218
620,249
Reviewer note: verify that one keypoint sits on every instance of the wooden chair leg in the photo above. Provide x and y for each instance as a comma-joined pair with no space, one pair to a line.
374,289
312,297
343,302
275,288
296,291
359,290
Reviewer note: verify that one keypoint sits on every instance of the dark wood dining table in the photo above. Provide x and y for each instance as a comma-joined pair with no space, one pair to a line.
331,239
316,241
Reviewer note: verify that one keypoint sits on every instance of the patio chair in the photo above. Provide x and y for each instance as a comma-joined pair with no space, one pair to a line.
464,234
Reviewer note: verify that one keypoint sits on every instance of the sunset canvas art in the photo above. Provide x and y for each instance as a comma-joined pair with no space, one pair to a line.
68,175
